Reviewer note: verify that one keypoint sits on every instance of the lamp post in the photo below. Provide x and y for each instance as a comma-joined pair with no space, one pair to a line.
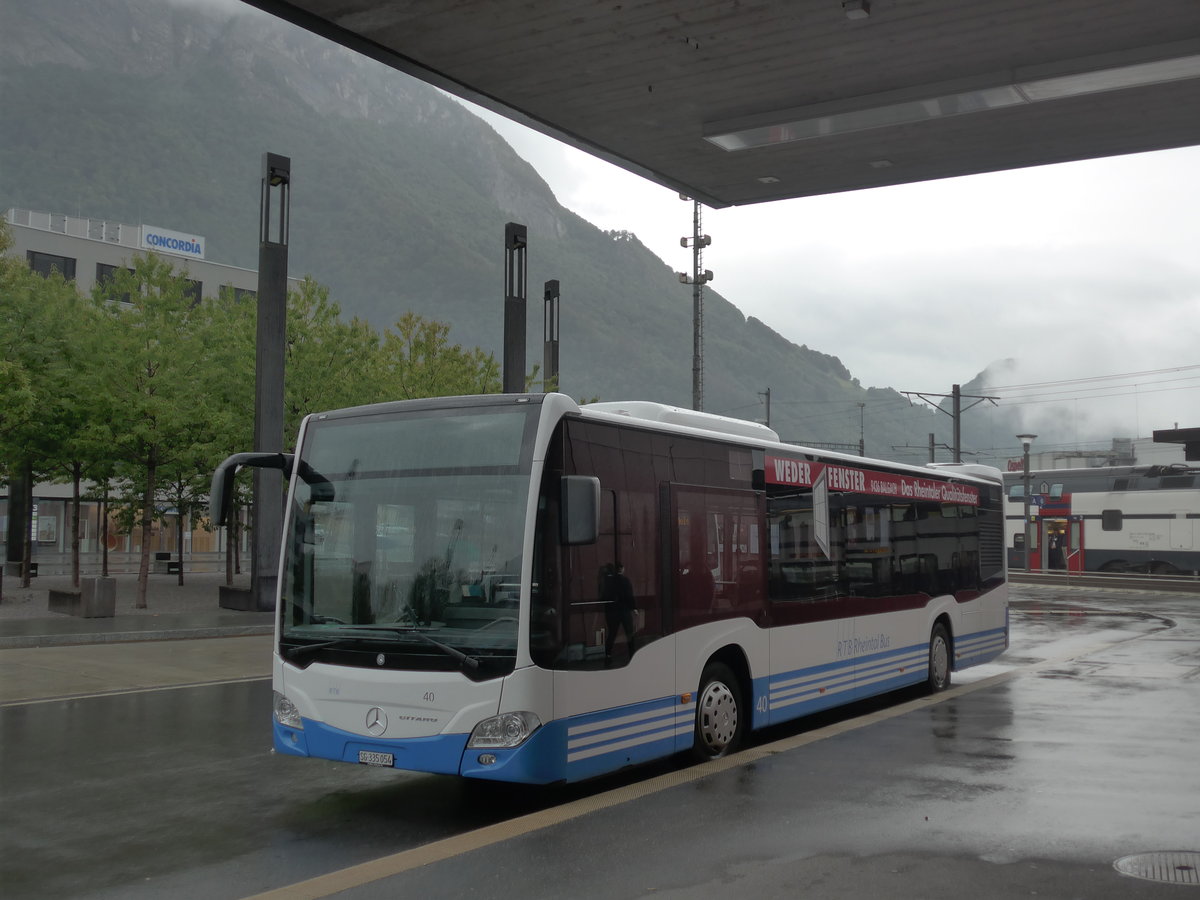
516,291
275,212
1026,441
550,336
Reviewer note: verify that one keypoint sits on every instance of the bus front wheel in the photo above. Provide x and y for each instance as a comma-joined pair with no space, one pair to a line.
939,659
719,720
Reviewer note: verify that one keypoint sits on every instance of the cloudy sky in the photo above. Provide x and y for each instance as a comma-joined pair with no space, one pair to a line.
1081,271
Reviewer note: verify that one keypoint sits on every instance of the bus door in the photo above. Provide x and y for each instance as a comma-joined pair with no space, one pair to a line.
717,573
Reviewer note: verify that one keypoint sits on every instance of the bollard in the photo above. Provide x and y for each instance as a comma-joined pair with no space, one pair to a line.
98,598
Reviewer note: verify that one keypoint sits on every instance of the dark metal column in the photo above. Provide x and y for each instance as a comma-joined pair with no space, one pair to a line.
20,511
862,429
515,294
550,336
1026,442
267,508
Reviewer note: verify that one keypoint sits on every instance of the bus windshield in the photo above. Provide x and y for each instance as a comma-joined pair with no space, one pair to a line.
404,539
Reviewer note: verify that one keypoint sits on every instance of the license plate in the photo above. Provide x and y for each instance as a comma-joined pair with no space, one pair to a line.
371,758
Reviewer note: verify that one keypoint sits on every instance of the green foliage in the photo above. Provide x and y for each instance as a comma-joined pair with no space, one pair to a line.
419,361
38,393
330,363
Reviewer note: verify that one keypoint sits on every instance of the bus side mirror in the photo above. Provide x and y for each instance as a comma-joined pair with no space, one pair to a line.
220,496
579,509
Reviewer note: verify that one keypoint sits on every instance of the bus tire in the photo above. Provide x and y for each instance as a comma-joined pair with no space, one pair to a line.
939,659
719,719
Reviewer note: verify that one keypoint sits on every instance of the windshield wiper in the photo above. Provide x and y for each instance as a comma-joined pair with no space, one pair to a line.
301,650
464,659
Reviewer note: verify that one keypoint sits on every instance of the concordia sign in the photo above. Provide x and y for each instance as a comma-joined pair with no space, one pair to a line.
163,240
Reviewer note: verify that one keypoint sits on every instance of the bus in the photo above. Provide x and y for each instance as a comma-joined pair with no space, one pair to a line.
1111,519
443,596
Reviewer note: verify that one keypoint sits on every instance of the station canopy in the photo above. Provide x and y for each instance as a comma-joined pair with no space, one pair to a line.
744,101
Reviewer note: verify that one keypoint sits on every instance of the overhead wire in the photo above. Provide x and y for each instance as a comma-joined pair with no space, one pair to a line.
1090,379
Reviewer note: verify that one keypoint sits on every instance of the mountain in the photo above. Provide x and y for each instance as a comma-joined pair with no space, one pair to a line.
159,112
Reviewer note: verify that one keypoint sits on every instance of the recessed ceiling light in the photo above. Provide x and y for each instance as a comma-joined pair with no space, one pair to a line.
856,9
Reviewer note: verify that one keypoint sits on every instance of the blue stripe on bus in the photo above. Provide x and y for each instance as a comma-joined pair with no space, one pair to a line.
625,735
979,647
891,670
592,734
803,691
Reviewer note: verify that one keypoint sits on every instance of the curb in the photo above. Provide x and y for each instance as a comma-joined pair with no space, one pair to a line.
25,641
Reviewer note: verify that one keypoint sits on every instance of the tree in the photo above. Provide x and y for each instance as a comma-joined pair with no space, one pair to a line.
183,486
419,361
74,445
167,392
37,392
330,363
235,319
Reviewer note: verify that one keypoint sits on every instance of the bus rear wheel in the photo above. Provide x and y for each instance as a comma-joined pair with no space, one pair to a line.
939,659
719,720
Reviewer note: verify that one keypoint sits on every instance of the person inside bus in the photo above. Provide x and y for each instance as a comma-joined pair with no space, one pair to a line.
619,604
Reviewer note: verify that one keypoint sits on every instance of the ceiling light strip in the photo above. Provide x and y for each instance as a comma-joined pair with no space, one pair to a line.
904,111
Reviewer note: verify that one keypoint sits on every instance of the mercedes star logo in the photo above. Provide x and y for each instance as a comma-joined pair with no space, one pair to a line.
376,721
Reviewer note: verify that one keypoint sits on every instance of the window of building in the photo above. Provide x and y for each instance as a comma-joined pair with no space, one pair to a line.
47,263
239,294
106,273
193,290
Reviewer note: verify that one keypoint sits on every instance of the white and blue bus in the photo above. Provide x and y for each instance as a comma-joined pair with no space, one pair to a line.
444,601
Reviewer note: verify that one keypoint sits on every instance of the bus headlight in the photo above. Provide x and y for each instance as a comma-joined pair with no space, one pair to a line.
286,712
506,730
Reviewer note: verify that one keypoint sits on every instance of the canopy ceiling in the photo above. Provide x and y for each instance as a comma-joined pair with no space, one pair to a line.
743,101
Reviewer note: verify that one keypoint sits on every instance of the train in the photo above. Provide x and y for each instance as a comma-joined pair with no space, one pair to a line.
1116,519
